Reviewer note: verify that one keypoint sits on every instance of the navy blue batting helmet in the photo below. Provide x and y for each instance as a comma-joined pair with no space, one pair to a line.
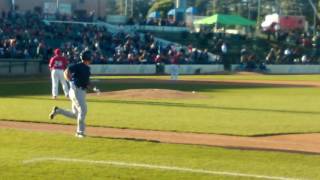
86,55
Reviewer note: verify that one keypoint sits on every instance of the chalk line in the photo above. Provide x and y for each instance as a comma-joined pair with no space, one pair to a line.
157,167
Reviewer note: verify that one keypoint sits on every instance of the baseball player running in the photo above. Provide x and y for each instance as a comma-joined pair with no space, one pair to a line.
79,77
57,65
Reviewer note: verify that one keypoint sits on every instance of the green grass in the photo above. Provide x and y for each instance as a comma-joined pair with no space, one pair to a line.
17,146
236,110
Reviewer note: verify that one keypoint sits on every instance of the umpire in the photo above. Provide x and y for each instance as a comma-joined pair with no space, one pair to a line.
78,76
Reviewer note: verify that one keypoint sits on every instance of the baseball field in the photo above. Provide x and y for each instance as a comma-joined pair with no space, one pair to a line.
240,126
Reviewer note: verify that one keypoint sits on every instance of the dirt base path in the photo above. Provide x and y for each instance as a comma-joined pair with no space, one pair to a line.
305,143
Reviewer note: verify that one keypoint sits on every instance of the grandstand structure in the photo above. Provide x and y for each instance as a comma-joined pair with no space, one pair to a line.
291,63
98,6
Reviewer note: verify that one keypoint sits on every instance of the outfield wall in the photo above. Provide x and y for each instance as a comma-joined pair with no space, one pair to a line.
293,69
18,67
123,69
199,69
152,69
286,69
11,68
196,69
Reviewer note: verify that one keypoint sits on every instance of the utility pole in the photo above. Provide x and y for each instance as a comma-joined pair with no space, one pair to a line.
126,8
315,16
248,7
121,7
132,2
259,14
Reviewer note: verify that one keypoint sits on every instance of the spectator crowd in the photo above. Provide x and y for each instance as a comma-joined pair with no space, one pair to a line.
27,36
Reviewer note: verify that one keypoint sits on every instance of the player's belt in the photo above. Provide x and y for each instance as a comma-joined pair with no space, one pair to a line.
82,88
73,85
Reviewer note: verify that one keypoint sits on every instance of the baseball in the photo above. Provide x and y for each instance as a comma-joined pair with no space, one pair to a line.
193,92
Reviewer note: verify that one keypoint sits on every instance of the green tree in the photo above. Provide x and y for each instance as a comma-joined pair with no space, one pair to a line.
292,7
120,7
163,6
209,7
205,8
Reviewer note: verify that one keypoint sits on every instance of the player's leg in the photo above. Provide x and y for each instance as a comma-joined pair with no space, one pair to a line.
63,83
67,113
55,83
172,71
175,71
82,111
175,74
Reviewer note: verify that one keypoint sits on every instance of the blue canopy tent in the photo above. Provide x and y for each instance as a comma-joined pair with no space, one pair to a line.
192,10
174,12
155,14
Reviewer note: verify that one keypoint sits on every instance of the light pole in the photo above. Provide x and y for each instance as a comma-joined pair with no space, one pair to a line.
314,23
57,6
13,4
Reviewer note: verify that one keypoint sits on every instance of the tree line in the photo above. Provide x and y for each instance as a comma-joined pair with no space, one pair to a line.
246,8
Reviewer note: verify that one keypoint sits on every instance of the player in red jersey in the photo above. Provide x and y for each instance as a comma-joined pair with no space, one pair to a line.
57,65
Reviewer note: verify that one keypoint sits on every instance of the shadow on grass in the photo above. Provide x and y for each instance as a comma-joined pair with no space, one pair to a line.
185,105
201,106
27,88
22,90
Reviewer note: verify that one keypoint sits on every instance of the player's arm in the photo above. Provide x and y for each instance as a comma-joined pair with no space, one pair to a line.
51,62
65,62
93,88
67,74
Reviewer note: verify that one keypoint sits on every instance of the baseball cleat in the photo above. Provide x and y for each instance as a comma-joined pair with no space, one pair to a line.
80,135
53,112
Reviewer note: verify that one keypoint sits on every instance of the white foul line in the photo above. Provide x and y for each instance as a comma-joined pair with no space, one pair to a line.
149,166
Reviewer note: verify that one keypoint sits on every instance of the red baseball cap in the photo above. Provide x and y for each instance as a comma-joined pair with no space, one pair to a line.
57,51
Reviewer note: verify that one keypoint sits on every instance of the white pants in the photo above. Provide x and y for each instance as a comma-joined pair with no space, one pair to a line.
79,107
174,71
56,77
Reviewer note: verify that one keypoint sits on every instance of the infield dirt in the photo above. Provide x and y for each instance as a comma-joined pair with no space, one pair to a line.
301,143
